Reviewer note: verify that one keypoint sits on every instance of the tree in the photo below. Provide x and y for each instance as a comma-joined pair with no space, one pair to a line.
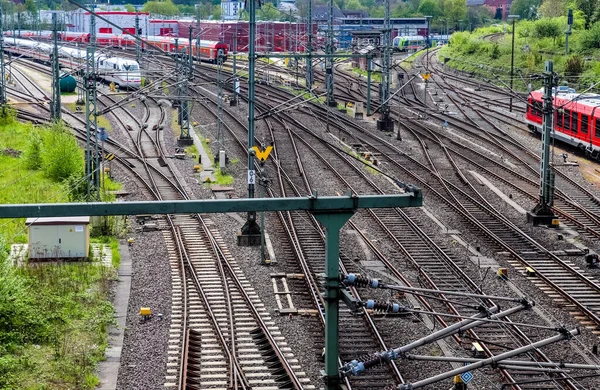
31,7
377,12
216,12
268,12
129,8
553,8
455,10
430,8
165,8
590,39
588,7
526,9
477,16
354,5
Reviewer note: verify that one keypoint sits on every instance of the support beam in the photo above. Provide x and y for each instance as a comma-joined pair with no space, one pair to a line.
91,151
565,334
542,213
250,232
3,100
332,222
330,49
519,363
55,111
309,47
385,122
312,203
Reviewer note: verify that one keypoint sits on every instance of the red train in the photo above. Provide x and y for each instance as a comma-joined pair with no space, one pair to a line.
207,50
576,118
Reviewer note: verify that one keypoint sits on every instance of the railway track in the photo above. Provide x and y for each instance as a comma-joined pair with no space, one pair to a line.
187,237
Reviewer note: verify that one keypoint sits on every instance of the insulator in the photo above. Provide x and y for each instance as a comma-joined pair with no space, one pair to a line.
384,306
360,281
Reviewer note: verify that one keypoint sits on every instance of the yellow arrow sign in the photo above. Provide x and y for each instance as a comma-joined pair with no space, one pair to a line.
426,76
262,156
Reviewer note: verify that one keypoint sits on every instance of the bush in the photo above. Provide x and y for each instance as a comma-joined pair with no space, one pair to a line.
61,154
495,52
547,28
33,151
590,39
574,66
7,116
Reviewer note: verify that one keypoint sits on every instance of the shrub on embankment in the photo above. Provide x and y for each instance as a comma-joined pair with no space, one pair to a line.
535,42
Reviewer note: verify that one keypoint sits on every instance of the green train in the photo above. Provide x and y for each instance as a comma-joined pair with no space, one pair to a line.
417,42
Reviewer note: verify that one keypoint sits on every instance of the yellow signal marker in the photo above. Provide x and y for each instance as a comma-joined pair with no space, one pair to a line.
426,76
262,156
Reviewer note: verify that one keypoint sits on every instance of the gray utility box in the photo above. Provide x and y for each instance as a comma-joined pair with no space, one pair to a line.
58,237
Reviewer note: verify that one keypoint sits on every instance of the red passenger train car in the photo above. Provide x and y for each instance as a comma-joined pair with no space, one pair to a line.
576,118
207,51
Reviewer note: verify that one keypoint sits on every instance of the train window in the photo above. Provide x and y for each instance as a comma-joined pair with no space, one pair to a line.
567,120
537,109
596,129
575,122
584,123
559,119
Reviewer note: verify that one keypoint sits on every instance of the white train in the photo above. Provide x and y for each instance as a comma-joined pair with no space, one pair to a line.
121,71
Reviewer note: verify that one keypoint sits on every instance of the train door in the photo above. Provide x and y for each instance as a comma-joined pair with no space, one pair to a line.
595,133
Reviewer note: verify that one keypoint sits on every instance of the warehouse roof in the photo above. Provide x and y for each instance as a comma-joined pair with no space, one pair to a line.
57,220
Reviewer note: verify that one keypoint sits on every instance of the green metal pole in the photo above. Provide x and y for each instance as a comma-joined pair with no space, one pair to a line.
55,104
332,222
2,65
251,81
329,79
250,234
369,67
137,41
309,31
236,80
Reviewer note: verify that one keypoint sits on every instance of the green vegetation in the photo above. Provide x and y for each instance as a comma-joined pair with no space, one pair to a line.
113,243
25,178
53,324
104,122
191,150
54,317
535,42
223,178
375,76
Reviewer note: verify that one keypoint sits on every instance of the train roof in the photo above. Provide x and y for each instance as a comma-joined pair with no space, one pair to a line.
567,97
72,52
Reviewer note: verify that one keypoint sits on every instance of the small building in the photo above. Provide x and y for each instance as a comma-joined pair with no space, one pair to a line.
80,20
231,9
58,237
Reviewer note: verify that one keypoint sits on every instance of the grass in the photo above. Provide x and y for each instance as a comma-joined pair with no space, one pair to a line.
206,147
191,150
375,76
54,315
68,93
19,184
473,53
223,178
113,243
62,347
104,122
